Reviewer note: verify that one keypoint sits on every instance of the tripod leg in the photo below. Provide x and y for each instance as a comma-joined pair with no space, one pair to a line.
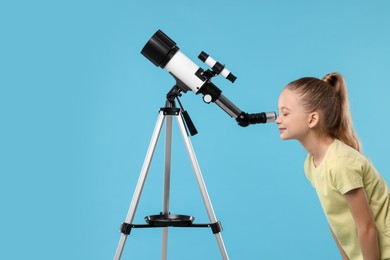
167,182
202,185
140,183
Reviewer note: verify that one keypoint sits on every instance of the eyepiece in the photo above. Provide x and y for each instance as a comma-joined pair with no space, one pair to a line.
160,49
245,119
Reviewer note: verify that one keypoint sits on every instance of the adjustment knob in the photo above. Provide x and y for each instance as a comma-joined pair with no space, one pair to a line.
207,98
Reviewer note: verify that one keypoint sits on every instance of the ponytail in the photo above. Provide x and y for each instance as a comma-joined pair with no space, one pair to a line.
345,131
330,97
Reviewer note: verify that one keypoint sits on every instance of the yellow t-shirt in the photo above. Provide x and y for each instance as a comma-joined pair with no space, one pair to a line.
344,169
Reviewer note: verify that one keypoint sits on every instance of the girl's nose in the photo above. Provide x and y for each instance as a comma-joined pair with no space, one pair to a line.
277,120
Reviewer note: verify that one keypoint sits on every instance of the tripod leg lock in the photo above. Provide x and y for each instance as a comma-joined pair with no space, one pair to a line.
216,227
126,228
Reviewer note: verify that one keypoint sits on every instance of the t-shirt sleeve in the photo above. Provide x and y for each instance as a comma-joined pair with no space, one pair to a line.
347,174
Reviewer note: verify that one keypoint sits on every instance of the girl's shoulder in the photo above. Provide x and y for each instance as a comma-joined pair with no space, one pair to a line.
339,151
343,158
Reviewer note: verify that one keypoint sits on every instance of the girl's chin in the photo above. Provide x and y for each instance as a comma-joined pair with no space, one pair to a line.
284,137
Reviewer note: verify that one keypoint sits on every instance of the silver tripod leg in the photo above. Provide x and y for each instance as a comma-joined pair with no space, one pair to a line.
167,170
167,183
141,182
202,185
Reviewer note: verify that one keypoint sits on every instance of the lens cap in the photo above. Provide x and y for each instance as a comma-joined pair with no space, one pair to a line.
159,49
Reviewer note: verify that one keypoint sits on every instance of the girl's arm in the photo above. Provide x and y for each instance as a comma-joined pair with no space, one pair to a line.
364,220
342,252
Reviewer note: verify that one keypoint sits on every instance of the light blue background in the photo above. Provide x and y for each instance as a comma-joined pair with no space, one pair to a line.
78,105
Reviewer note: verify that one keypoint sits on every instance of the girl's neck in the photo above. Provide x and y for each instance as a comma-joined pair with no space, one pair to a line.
317,146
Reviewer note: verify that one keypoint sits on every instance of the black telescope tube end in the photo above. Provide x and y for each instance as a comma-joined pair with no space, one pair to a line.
231,77
203,56
159,49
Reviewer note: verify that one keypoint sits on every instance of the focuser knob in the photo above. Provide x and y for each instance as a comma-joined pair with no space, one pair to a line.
207,98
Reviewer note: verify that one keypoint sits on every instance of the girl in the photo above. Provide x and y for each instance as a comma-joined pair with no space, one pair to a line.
354,197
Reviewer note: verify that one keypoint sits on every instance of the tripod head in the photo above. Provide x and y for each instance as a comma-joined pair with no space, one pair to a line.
173,94
163,52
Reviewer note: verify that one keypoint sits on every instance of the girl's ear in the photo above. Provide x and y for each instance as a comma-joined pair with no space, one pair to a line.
313,119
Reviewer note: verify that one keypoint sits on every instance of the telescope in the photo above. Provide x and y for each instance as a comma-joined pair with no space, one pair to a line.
163,52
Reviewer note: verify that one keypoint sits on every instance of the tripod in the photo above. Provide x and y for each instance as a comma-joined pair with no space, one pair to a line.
165,219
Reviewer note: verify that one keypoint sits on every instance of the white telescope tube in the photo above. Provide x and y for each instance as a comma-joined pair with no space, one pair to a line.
185,69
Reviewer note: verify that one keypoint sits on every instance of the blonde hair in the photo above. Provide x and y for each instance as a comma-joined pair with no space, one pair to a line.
329,96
